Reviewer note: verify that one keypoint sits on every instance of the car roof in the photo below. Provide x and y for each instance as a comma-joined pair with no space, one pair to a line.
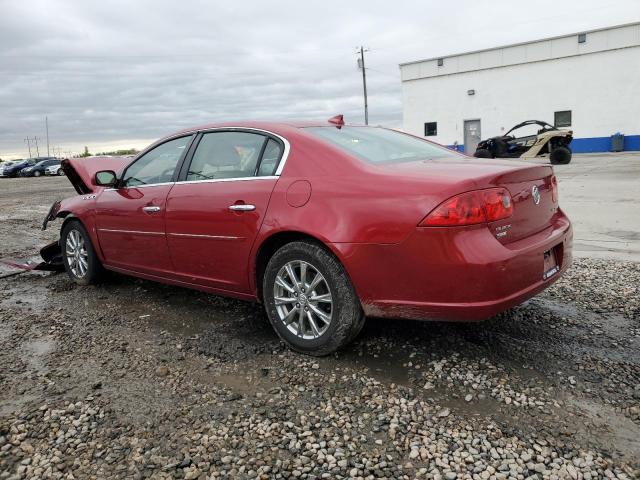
274,126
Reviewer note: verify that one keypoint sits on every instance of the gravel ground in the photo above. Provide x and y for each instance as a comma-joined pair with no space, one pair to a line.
132,379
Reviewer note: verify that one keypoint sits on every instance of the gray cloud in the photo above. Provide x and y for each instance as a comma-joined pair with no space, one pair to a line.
123,72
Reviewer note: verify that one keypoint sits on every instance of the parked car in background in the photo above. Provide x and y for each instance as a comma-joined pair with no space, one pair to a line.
322,222
38,169
535,139
14,169
55,169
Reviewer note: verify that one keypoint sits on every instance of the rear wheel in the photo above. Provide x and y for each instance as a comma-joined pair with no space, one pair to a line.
310,300
482,153
37,173
60,172
80,259
560,156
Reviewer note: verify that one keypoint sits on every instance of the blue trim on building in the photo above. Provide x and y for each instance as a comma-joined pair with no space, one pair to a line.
589,144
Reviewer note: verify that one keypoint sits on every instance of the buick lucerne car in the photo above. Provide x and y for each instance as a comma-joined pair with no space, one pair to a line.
323,223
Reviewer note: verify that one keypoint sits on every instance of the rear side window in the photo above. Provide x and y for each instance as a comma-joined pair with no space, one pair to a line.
270,158
380,145
226,155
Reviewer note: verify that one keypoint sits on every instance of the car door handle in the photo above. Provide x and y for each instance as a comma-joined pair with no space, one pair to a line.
151,209
242,207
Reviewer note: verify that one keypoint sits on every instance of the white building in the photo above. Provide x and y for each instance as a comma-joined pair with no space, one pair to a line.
588,81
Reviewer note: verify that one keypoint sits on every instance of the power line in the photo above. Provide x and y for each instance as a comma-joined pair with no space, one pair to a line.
46,123
28,142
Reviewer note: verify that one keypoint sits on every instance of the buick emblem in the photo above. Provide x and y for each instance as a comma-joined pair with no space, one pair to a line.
535,193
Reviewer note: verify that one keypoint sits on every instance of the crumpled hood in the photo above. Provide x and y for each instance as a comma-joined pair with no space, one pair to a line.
81,171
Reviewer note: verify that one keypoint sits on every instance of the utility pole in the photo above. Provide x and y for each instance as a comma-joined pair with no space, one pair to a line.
46,123
35,139
364,84
28,141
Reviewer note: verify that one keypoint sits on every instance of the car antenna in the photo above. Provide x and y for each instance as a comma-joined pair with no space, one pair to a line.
338,121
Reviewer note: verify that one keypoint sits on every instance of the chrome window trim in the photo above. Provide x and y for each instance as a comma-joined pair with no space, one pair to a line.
139,186
276,175
235,179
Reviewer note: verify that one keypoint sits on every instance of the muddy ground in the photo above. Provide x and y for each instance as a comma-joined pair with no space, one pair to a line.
132,379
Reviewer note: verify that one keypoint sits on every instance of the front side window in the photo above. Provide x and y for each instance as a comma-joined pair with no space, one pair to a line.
157,165
380,145
226,155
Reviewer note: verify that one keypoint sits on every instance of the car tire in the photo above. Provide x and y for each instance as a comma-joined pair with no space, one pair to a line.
314,322
483,153
60,172
37,173
560,156
79,256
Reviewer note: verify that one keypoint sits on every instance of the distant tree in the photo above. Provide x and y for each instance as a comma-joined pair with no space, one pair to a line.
85,153
127,151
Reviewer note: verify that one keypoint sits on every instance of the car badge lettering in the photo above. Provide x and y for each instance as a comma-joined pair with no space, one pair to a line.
535,194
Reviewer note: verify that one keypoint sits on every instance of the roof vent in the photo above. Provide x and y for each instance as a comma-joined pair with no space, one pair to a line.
338,120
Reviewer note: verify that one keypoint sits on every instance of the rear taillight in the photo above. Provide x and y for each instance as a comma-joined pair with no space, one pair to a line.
478,206
554,189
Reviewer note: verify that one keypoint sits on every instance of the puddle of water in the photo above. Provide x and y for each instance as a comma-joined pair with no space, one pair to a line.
6,330
21,294
12,405
617,432
388,367
37,351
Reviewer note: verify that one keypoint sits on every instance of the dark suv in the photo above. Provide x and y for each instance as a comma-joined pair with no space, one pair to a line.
14,168
38,169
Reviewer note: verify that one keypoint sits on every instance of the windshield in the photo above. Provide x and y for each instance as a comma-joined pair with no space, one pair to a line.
380,145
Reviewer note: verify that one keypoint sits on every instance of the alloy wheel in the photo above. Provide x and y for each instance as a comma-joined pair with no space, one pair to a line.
77,256
303,299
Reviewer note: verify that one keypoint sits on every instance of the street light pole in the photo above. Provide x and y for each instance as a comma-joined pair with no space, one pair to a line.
364,84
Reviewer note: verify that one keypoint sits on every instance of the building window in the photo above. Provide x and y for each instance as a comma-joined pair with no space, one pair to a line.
582,38
440,62
562,118
431,129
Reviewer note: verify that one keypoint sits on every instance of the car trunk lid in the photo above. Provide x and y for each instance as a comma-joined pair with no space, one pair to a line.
81,171
519,178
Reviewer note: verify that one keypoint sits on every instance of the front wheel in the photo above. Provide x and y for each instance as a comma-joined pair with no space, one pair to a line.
37,173
560,156
60,172
80,259
310,300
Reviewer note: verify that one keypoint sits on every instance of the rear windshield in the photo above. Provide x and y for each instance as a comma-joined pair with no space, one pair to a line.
380,145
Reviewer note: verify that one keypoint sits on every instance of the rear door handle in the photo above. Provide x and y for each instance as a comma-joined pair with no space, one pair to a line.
151,209
242,207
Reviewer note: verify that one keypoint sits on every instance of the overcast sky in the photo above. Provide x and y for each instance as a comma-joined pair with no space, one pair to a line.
121,73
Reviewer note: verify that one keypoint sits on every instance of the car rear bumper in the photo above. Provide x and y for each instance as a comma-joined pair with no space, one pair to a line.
452,273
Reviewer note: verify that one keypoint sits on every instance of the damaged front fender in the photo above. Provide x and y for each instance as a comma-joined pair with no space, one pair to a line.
52,214
52,256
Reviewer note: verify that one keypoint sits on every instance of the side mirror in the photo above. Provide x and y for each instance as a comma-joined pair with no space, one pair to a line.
106,178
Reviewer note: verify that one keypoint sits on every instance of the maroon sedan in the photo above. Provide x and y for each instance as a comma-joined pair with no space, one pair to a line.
323,223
